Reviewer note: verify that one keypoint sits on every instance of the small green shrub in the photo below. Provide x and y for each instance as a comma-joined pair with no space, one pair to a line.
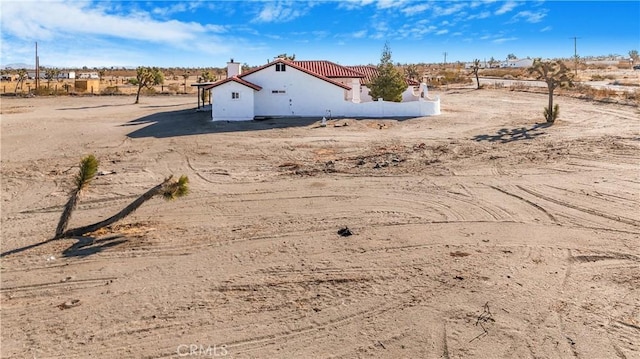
553,116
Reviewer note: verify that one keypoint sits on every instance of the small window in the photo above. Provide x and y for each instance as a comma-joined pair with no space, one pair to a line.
280,67
278,91
235,95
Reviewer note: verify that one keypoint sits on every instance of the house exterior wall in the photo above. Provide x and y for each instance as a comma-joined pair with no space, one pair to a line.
227,108
304,95
519,63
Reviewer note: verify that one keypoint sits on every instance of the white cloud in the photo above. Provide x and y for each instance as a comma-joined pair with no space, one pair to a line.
503,40
82,33
415,9
545,29
19,20
481,15
506,7
386,4
444,11
360,34
354,4
529,16
281,11
442,32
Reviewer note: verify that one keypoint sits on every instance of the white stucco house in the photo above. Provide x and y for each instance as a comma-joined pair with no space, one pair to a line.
517,63
286,88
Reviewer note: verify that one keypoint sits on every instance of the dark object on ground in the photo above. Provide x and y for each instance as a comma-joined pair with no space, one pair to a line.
345,232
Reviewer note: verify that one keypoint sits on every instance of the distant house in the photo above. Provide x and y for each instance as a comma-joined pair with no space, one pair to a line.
284,88
88,75
517,63
67,75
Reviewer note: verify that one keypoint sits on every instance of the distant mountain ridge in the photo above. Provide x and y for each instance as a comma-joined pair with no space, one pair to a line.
18,66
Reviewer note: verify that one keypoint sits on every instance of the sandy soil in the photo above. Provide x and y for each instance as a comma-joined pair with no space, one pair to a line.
477,234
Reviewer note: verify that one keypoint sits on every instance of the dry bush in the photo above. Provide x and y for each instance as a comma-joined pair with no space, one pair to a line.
502,73
518,86
111,90
633,96
447,77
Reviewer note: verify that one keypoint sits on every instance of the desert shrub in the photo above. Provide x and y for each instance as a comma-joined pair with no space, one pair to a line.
553,116
597,77
518,86
174,88
453,77
605,93
149,91
633,96
515,73
42,91
111,90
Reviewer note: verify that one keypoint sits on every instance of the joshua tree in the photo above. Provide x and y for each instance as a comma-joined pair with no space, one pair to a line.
22,75
492,62
411,72
555,74
50,74
185,76
88,169
474,71
286,57
207,76
147,77
389,84
633,54
169,189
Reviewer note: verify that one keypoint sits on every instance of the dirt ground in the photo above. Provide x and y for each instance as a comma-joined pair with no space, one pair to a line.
479,233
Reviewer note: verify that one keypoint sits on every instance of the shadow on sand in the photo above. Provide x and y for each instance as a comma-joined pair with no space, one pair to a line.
85,246
191,122
505,135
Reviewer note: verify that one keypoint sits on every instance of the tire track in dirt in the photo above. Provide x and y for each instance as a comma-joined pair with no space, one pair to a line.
590,211
536,206
39,286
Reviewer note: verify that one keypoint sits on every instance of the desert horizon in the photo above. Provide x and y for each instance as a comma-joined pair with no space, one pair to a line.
481,232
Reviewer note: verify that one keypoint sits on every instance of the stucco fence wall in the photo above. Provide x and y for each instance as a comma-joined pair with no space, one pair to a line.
381,109
375,109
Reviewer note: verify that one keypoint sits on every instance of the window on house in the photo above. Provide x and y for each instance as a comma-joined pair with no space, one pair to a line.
280,67
235,95
278,91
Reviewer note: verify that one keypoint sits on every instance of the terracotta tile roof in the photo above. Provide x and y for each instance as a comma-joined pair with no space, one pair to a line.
329,69
234,79
294,65
370,72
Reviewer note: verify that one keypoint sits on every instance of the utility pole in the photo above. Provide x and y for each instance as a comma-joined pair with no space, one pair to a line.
445,57
575,52
37,68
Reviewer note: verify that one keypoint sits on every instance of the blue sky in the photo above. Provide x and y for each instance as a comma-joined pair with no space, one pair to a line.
209,33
